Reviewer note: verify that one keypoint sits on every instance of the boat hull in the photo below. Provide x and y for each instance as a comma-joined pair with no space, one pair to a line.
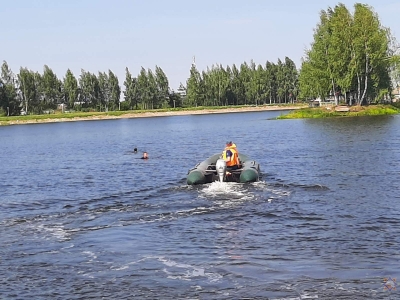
205,171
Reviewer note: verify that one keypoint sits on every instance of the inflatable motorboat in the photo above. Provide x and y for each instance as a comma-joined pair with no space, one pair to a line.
214,169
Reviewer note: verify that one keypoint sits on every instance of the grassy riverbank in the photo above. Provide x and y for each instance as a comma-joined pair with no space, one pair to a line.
354,111
86,116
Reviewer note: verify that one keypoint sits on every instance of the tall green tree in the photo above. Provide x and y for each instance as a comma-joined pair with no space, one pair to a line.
143,89
280,80
128,92
115,90
395,71
152,90
341,45
29,88
245,78
193,87
316,72
225,82
291,80
162,85
89,89
104,91
205,89
70,88
51,89
371,43
131,90
9,101
237,86
270,81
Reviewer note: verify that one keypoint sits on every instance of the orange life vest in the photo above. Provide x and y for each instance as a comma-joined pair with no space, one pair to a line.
234,161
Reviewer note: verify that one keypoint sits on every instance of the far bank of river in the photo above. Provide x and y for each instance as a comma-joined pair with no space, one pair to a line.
36,119
297,112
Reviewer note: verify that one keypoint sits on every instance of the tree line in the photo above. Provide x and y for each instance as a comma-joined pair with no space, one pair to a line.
34,93
250,84
352,57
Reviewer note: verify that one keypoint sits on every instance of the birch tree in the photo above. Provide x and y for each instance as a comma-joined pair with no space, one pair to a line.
350,54
9,101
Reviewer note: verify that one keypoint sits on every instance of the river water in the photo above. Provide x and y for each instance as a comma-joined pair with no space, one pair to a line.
83,217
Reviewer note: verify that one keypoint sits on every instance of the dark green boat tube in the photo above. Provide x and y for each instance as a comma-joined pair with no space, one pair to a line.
251,170
249,175
200,174
196,177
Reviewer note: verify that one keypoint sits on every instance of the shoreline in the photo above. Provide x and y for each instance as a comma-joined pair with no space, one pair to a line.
149,114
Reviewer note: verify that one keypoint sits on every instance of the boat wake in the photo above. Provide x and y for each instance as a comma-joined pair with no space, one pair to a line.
224,189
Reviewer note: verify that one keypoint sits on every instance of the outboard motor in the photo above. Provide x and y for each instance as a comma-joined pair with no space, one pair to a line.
220,166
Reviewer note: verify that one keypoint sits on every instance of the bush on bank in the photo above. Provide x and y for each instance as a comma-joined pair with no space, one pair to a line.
328,112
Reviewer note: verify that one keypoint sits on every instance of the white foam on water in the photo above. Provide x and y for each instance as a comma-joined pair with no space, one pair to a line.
194,211
301,294
68,247
91,255
52,252
305,296
216,189
120,268
276,192
57,231
226,194
181,271
301,297
290,298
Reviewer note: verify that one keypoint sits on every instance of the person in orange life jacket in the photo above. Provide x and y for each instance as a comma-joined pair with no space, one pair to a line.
231,156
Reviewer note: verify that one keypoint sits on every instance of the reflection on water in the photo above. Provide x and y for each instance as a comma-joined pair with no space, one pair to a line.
93,220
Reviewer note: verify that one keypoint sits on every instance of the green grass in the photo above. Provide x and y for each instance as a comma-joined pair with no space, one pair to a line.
315,113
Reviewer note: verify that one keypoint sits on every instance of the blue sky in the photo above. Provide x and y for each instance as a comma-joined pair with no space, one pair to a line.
98,35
